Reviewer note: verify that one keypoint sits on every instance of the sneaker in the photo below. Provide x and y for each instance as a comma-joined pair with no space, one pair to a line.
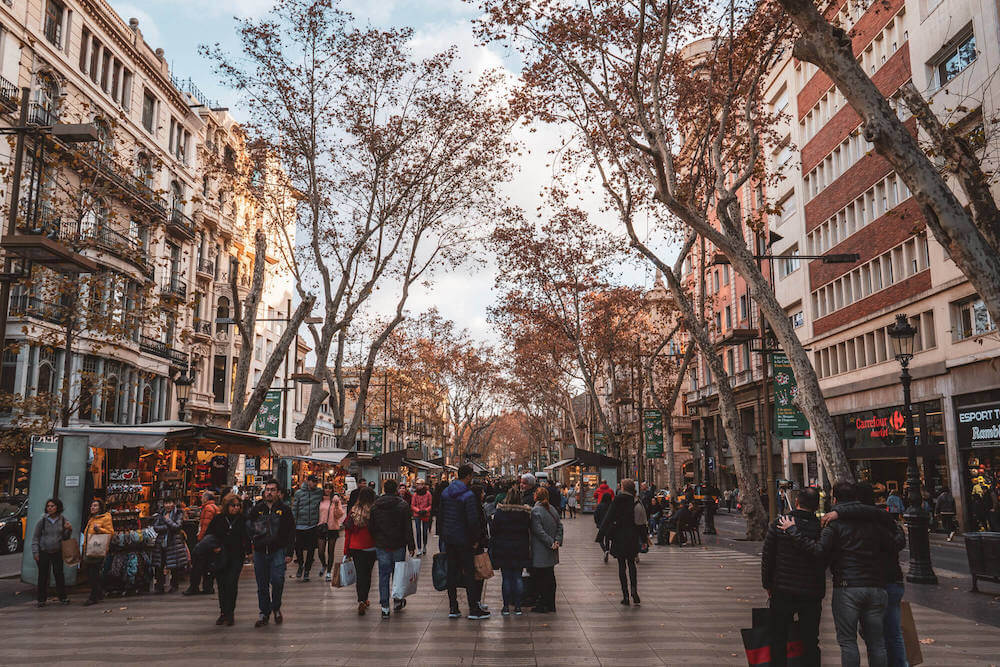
305,577
298,573
399,604
385,612
329,576
322,571
278,618
261,621
454,613
505,611
625,601
517,611
64,601
951,536
479,614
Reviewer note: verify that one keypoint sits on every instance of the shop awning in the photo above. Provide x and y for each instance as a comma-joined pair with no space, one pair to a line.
420,464
561,464
170,435
285,448
594,460
329,457
478,468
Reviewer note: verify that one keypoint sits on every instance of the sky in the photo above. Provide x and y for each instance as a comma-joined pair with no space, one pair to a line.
180,26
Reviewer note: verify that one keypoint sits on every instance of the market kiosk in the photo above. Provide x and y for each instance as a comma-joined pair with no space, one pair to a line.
330,466
134,469
588,469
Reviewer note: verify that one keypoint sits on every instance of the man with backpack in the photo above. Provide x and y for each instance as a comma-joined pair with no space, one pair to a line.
271,530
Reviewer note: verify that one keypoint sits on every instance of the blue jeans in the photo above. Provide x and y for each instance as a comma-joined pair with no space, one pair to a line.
420,531
512,586
864,605
387,559
892,627
269,569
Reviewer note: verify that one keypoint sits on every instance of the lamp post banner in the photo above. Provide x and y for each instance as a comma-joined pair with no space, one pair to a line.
789,422
600,446
652,426
375,440
268,420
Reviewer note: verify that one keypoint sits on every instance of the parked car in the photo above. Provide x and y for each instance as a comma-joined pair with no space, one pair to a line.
12,517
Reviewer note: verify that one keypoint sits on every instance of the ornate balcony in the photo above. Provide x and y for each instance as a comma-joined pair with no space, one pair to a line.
174,289
206,269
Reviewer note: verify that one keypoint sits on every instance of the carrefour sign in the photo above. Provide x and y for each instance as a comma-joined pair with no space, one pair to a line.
879,427
979,425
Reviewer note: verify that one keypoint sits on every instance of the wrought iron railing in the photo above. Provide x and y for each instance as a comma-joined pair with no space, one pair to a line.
206,266
179,220
25,305
174,287
9,95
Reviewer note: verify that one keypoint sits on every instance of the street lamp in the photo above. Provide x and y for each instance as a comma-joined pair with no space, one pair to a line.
183,384
903,334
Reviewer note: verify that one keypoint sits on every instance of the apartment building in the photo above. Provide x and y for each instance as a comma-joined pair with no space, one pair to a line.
163,230
840,197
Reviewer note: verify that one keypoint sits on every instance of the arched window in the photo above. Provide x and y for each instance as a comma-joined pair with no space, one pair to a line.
44,111
147,404
222,313
46,381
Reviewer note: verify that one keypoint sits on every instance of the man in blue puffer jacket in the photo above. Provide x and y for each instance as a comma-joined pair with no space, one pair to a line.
463,532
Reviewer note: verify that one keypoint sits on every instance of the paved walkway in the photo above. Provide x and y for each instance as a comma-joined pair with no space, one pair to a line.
694,601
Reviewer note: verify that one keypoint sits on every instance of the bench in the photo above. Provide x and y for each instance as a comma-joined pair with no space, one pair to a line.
983,552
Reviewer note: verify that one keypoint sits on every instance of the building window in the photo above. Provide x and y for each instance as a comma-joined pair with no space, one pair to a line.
971,319
956,58
148,110
222,313
797,319
729,317
55,14
219,378
788,262
743,306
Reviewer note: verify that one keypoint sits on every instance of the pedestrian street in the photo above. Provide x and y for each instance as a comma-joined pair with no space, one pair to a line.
694,602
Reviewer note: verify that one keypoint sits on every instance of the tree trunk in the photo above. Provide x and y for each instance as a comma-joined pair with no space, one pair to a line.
967,243
246,324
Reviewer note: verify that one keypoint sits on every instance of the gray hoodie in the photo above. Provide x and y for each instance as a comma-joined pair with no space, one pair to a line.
49,535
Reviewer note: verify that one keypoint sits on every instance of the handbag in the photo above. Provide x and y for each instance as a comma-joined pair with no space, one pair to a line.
483,566
404,578
914,654
758,641
347,574
97,545
71,552
439,572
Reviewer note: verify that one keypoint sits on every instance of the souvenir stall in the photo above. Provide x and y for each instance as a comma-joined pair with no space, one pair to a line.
134,469
331,467
588,469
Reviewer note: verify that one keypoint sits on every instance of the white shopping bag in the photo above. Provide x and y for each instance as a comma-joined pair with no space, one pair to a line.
404,578
348,574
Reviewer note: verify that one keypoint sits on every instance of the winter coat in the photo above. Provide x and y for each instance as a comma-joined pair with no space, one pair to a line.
602,508
890,566
420,504
171,552
510,541
49,535
571,497
234,537
603,490
356,538
331,512
208,512
788,569
894,504
271,527
856,548
620,527
945,503
459,523
546,528
390,524
100,524
305,506
555,498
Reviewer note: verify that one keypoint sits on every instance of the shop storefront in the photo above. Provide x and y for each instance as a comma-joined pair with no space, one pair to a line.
134,470
330,467
875,443
588,469
15,470
405,466
977,423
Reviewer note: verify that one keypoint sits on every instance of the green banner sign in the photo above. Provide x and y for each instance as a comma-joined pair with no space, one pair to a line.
789,422
600,446
375,440
268,421
652,428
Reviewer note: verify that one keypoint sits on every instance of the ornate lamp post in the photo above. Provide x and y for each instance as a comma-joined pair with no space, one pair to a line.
917,520
183,384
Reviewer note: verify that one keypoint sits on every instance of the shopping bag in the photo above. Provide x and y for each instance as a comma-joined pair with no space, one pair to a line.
914,655
758,640
348,574
404,578
483,566
439,572
97,546
71,552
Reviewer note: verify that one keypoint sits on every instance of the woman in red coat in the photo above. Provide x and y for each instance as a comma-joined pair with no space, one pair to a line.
420,503
359,545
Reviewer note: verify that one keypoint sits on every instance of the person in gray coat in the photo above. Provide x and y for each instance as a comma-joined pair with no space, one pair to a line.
546,538
46,547
305,509
171,552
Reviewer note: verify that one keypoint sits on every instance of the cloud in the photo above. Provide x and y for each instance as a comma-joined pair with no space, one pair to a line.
149,28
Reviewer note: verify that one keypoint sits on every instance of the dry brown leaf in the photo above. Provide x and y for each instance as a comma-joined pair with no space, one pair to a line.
729,588
927,640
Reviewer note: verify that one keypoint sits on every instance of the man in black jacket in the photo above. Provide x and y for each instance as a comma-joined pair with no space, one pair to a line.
856,549
795,581
271,529
391,528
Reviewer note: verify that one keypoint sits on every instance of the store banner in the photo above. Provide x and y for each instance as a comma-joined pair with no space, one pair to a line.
652,426
268,421
600,446
375,440
978,425
789,422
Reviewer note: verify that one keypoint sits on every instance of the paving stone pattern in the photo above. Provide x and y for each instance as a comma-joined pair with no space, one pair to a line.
694,601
